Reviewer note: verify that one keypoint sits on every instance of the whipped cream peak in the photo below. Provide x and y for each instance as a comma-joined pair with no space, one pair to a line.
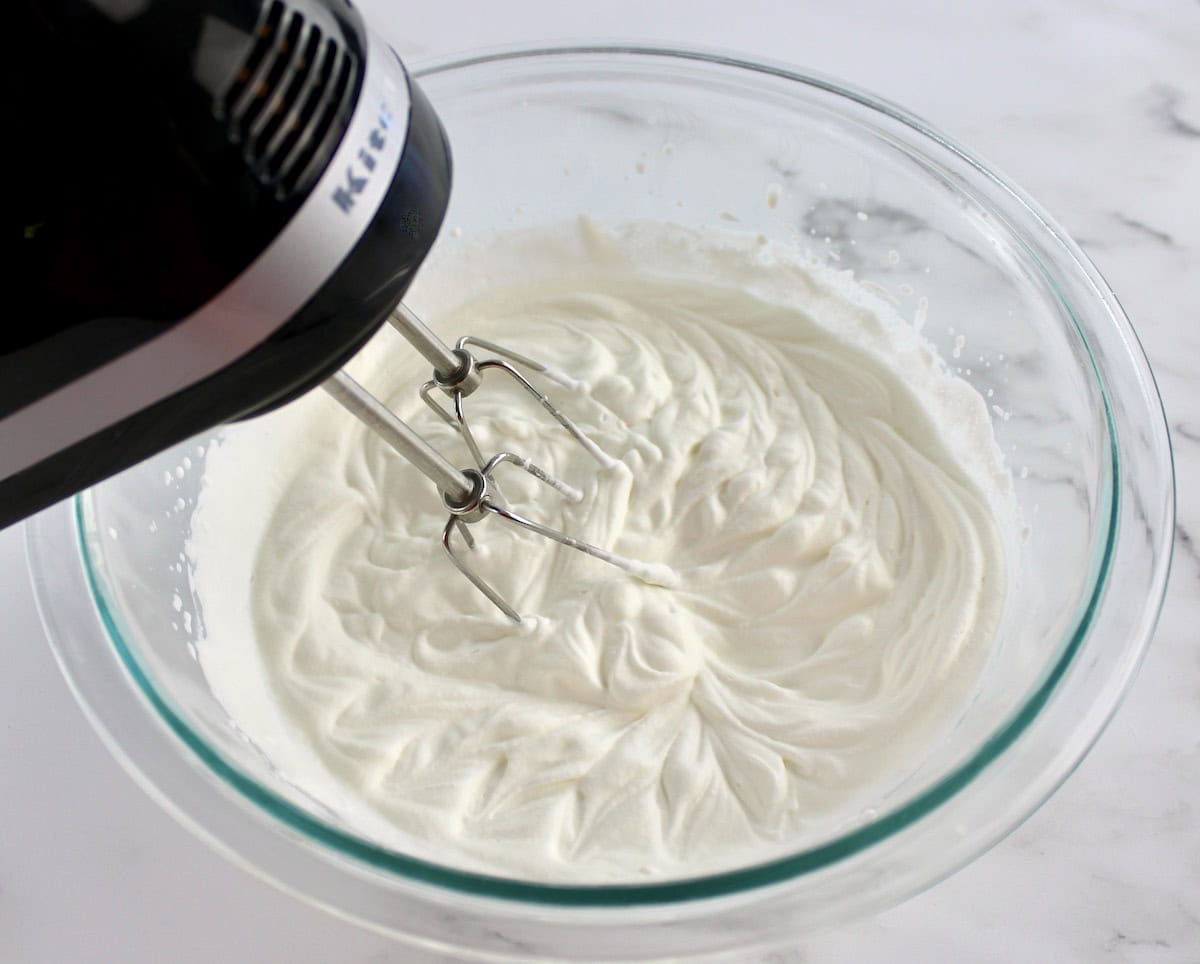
809,509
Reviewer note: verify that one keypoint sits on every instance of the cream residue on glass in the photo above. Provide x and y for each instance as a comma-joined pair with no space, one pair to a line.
829,496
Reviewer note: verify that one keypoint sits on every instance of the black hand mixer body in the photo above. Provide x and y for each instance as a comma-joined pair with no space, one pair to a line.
220,202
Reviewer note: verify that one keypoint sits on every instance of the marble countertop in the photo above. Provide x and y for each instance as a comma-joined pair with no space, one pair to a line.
1094,108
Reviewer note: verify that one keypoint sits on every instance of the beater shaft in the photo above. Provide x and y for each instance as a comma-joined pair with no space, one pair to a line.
371,412
435,351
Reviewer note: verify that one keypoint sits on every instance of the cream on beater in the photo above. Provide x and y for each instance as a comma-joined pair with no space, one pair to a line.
829,498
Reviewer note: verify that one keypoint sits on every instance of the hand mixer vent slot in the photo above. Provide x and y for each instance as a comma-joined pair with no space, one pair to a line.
282,130
328,115
285,100
240,94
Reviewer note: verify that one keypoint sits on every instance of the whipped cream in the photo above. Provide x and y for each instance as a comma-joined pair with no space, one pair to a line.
827,496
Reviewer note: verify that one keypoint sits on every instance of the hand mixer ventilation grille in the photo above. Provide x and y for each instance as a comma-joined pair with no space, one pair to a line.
285,99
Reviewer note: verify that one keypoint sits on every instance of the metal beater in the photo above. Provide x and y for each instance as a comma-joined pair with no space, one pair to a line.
472,494
458,374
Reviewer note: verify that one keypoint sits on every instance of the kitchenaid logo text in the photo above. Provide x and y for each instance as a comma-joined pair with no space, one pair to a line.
358,174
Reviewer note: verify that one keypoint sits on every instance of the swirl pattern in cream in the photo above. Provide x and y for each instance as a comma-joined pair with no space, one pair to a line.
781,443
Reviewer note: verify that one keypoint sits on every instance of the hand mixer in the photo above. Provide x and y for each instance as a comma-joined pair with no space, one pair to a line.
220,202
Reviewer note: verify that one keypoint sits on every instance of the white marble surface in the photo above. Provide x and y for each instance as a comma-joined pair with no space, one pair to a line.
1091,105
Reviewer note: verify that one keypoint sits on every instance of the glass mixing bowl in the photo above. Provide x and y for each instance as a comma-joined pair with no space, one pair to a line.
702,140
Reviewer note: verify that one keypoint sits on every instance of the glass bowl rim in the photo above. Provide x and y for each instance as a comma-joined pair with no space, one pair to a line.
725,883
